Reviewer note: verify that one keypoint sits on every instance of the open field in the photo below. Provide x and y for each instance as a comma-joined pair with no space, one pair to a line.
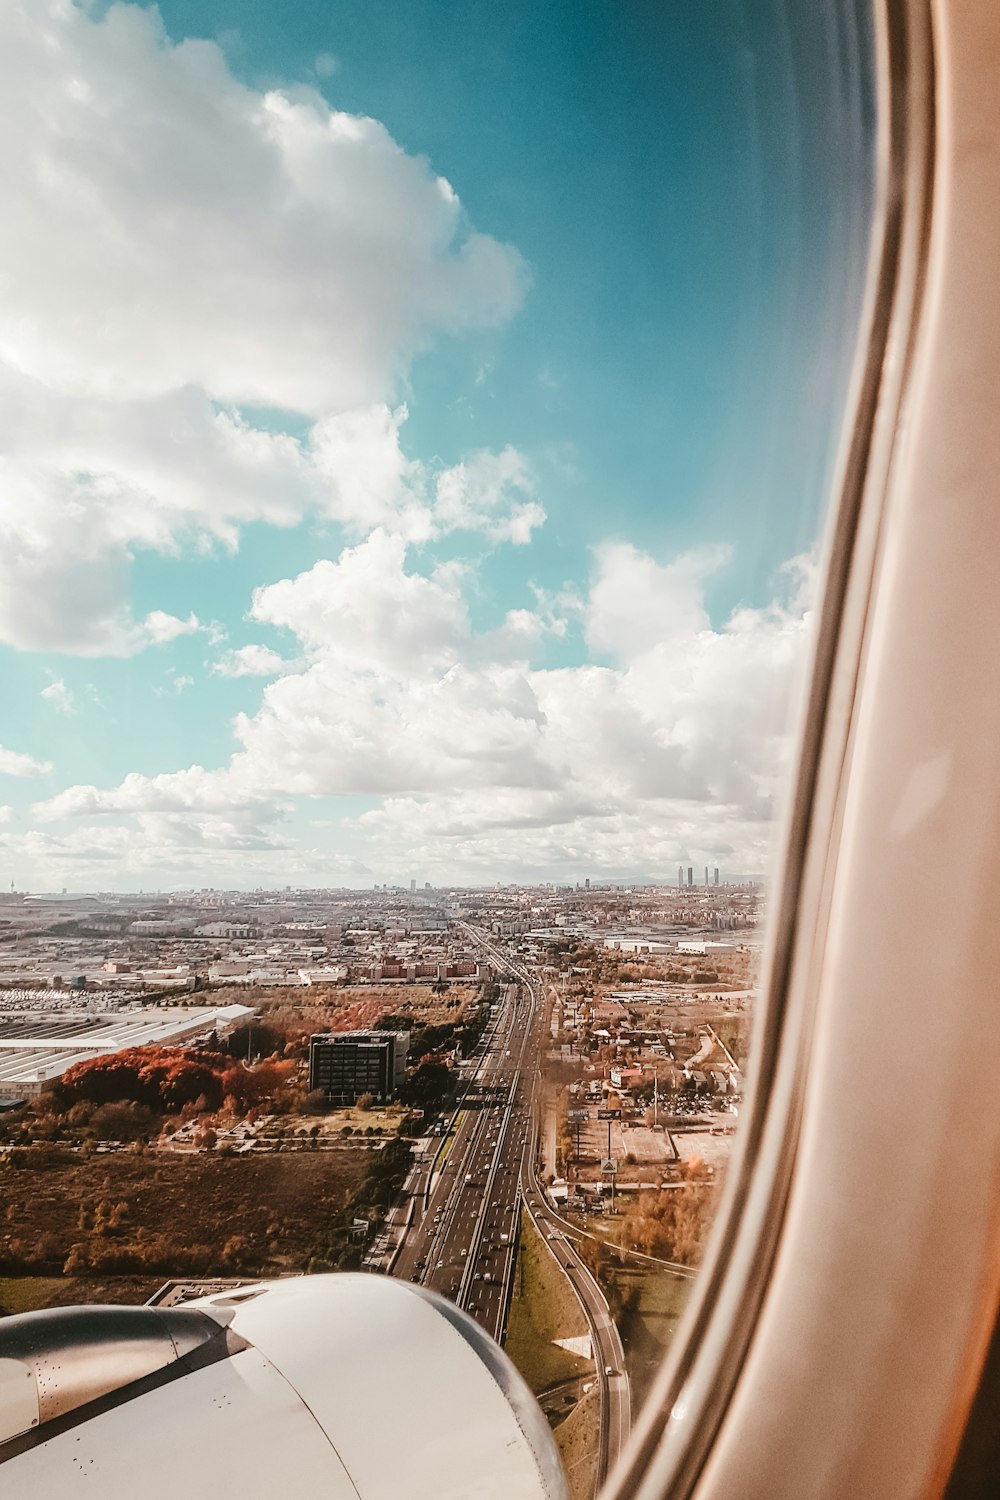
19,1294
543,1308
576,1439
339,1007
178,1214
653,1302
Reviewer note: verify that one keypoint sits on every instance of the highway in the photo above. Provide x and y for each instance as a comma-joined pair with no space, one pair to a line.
456,1227
609,1357
461,1238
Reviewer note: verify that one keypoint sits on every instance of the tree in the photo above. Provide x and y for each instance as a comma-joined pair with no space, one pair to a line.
427,1085
364,1102
255,1040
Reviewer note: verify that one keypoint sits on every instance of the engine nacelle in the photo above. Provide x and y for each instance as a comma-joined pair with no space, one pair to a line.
349,1387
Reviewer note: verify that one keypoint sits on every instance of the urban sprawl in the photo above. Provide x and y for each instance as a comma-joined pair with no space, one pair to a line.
523,1098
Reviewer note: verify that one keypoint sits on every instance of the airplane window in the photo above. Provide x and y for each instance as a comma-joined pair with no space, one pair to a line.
421,424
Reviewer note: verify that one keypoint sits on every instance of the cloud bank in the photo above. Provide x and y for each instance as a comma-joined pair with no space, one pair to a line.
180,255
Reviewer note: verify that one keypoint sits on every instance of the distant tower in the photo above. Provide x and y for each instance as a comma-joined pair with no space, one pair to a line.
413,885
706,874
690,876
716,875
586,884
680,876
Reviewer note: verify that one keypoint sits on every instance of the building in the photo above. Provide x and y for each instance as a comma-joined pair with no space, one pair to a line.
36,1047
347,1064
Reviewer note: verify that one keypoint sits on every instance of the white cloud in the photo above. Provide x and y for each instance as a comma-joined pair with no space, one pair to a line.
476,495
251,661
174,227
636,603
6,813
177,682
176,246
489,761
325,64
60,696
158,628
17,763
366,611
190,790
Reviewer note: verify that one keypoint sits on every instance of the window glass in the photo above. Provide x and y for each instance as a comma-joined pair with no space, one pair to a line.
418,424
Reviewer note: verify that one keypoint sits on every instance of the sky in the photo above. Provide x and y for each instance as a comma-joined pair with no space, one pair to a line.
416,428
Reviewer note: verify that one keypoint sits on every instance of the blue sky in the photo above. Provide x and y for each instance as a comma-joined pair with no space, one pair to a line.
515,459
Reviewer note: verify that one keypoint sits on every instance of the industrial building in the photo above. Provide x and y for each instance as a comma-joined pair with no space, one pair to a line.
347,1064
36,1048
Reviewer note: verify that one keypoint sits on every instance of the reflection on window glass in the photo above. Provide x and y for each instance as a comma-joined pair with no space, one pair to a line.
418,421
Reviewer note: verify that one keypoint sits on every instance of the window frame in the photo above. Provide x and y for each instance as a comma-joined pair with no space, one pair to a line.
710,1390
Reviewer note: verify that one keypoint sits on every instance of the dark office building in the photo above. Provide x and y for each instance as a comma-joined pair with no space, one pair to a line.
347,1064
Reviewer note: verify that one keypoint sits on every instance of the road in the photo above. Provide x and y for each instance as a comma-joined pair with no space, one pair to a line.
461,1238
609,1357
456,1226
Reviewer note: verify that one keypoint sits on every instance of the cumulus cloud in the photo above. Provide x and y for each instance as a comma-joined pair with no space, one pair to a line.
476,495
190,790
366,610
177,251
17,763
175,227
675,751
637,603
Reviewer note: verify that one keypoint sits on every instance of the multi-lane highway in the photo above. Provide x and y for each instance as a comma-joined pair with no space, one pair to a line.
456,1228
609,1358
461,1237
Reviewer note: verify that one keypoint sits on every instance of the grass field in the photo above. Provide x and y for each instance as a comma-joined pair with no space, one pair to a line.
543,1308
647,1327
19,1294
